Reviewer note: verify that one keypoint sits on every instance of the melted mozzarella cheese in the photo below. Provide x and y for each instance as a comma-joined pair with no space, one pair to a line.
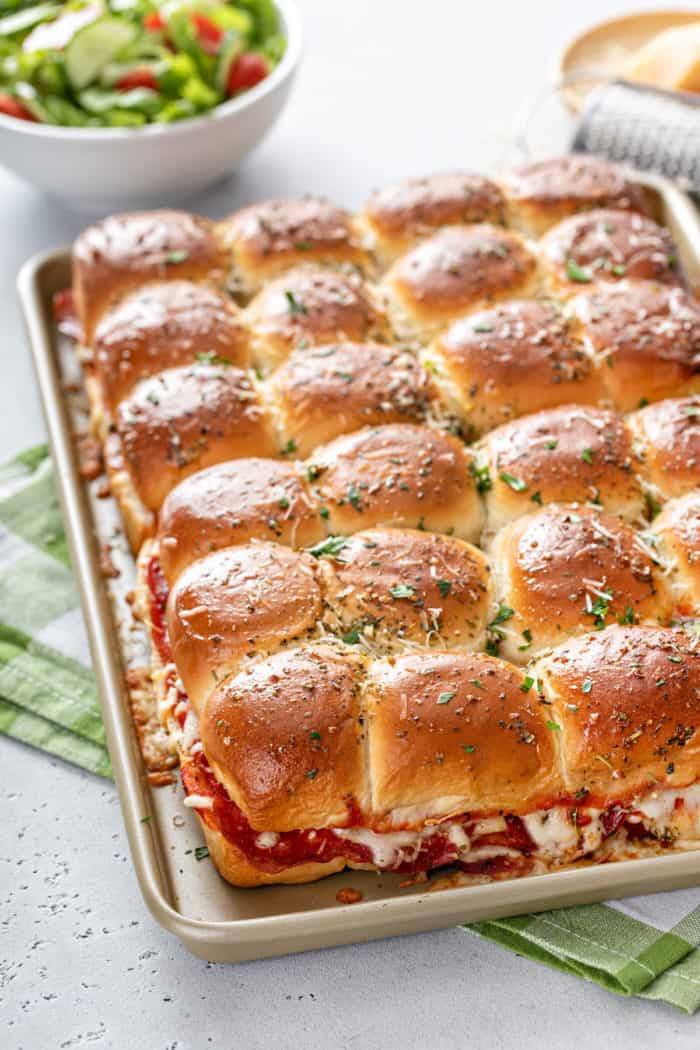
199,802
390,848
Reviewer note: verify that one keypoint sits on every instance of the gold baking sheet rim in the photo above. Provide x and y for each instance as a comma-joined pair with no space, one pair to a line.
187,897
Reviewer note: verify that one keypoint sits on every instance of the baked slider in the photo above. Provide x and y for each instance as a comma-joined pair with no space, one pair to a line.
666,443
571,454
235,502
322,392
645,337
458,270
124,251
399,474
608,245
389,590
266,238
515,358
310,306
677,532
172,425
398,216
566,570
542,193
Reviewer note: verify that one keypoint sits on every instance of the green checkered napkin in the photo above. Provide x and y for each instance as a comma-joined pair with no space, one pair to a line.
644,946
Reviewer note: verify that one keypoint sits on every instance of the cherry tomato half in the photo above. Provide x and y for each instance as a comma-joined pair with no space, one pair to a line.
209,35
138,78
12,108
247,71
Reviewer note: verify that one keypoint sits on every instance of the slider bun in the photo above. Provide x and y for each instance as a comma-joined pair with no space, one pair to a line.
628,704
566,570
124,251
571,454
400,474
677,529
407,211
458,269
320,393
183,419
232,503
311,305
162,325
666,442
271,236
454,732
390,589
646,337
285,738
516,358
238,603
608,245
540,194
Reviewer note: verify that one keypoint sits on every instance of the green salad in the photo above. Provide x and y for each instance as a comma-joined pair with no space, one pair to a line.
125,63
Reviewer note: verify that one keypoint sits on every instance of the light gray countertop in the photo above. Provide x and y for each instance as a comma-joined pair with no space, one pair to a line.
388,88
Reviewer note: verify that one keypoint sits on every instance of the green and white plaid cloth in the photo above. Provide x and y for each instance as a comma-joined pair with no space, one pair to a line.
644,946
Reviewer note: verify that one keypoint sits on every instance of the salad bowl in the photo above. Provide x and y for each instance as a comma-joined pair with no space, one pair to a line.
95,170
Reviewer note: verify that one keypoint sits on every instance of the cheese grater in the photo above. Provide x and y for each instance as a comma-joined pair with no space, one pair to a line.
645,128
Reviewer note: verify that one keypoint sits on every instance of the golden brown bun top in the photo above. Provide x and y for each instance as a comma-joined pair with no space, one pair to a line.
572,568
608,245
274,234
395,474
568,454
388,587
461,265
310,304
286,738
641,316
232,503
627,700
187,418
455,732
125,250
238,602
680,519
575,181
416,206
326,391
161,325
668,442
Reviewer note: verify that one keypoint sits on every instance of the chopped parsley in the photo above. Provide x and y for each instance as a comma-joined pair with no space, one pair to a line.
516,484
587,685
618,269
477,683
551,444
445,587
303,246
527,684
504,613
176,257
329,548
311,774
481,476
627,616
482,326
527,635
312,472
208,357
294,305
147,819
469,748
354,498
352,637
536,497
575,273
444,698
554,726
314,734
587,455
290,447
402,590
201,853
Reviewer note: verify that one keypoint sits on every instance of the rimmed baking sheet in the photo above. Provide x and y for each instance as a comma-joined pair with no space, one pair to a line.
214,920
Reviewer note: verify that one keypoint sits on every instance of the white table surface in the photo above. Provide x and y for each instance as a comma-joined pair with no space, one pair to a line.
383,92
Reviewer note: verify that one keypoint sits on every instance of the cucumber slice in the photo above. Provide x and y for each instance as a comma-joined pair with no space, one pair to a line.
229,54
142,99
94,46
28,96
32,16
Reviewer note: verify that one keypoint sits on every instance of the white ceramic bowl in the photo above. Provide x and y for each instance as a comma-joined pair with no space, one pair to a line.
98,170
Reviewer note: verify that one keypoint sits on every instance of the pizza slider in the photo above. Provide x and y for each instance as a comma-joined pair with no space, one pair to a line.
398,216
456,271
542,193
608,245
677,533
125,251
513,359
268,237
645,338
666,442
310,306
566,570
570,454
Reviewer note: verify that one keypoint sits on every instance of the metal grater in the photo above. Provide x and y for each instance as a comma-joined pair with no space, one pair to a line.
643,127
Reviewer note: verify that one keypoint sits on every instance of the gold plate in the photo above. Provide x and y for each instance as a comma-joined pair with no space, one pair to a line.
603,50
